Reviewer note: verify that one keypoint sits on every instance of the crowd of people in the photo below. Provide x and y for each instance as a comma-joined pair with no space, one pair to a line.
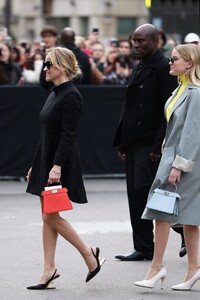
21,62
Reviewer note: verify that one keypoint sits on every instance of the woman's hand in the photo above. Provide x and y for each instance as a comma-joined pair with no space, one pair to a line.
54,174
174,176
28,174
21,81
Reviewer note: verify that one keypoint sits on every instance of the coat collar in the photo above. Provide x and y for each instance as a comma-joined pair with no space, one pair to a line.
181,98
62,86
149,65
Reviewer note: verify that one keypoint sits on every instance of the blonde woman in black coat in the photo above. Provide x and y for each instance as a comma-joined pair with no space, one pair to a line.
57,160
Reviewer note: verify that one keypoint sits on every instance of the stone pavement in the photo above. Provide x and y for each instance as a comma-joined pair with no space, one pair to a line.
104,222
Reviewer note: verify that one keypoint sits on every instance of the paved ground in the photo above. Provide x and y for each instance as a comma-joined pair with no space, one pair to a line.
104,222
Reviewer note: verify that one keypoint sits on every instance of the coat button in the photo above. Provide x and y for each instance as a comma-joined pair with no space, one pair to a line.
140,105
141,86
139,123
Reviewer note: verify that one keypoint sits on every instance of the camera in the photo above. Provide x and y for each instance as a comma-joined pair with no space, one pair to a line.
123,64
24,45
114,42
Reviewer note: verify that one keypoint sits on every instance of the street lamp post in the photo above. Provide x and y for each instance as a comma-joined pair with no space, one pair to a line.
7,11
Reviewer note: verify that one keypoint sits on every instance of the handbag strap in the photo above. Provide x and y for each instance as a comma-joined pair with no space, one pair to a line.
54,182
165,183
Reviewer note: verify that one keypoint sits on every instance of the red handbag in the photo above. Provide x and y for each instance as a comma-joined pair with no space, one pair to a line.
55,199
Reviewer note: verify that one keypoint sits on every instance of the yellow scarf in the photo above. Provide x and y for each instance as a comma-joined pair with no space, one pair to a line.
183,83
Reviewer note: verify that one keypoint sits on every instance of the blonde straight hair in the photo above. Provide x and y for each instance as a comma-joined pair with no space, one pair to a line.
191,52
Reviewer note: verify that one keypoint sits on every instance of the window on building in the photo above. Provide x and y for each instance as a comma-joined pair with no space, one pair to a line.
47,6
126,26
59,23
179,17
84,26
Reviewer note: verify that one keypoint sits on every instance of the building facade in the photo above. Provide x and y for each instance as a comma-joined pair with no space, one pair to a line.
114,18
176,17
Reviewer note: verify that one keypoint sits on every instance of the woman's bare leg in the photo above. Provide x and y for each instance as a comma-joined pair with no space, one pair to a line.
49,247
191,234
64,228
162,230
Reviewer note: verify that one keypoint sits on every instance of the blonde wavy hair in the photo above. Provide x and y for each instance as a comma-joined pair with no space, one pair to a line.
191,52
65,60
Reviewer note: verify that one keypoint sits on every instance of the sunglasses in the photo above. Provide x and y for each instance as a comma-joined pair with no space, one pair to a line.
172,60
47,64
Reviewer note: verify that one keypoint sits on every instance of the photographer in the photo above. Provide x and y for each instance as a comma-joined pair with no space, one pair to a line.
10,73
120,72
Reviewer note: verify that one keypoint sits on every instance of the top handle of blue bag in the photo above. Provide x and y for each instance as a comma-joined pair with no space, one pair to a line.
161,186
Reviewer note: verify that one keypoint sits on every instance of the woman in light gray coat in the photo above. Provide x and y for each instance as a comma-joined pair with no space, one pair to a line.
180,165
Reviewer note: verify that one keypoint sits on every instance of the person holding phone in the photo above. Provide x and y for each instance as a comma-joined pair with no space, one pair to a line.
120,72
10,73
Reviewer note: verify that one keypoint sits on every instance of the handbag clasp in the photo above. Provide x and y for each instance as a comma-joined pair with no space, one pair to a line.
166,193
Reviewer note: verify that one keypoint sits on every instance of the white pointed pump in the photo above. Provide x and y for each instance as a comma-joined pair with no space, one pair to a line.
151,283
187,285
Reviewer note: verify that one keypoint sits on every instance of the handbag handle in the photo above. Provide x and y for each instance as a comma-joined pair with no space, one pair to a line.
54,182
165,183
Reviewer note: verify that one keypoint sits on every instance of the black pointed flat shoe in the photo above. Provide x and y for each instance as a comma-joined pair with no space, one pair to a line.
99,261
183,251
43,286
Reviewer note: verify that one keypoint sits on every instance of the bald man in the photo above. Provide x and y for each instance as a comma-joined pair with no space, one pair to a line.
67,40
140,134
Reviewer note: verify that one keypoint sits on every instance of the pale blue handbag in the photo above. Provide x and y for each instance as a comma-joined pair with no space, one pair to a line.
164,201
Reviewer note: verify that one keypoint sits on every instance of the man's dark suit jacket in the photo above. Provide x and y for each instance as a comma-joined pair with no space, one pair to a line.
142,117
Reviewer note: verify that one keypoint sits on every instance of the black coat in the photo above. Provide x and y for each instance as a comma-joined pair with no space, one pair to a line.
142,117
59,119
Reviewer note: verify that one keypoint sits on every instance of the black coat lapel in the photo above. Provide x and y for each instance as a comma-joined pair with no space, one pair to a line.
149,66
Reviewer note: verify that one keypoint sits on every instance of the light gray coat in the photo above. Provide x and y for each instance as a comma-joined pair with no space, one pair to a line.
182,150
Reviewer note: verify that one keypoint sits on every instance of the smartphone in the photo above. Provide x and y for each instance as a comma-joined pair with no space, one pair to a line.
24,45
123,64
114,42
95,30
